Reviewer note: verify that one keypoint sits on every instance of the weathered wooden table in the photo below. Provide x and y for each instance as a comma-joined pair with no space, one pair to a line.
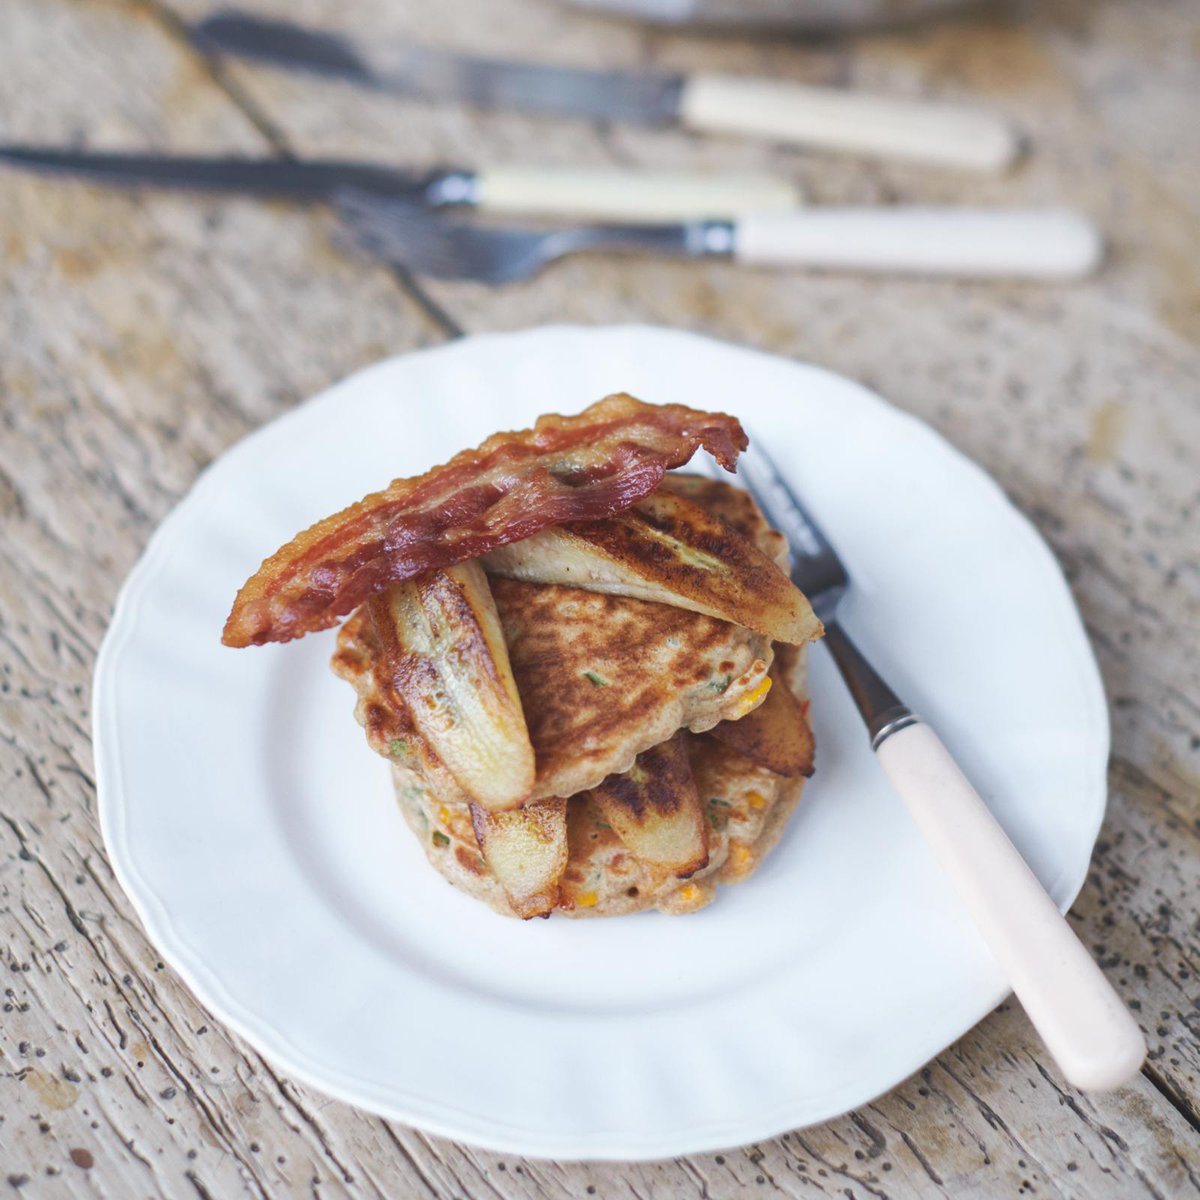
142,335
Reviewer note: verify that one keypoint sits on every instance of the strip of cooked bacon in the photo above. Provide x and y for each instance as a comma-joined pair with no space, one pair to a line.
563,469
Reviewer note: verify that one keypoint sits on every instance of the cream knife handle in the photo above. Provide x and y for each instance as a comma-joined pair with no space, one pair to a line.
636,196
1036,244
850,121
1082,1021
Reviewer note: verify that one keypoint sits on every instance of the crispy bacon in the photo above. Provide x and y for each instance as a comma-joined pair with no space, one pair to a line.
563,469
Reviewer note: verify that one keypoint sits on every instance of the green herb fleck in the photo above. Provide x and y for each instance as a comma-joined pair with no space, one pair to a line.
440,839
594,679
674,642
720,684
604,825
718,818
397,747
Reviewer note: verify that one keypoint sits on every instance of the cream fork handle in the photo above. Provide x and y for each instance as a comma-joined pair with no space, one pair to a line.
962,242
1081,1019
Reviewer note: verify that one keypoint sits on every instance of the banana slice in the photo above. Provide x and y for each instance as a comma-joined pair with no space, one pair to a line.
666,549
654,809
526,850
446,658
776,734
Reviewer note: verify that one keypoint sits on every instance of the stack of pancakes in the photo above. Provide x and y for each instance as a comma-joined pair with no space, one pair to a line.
669,746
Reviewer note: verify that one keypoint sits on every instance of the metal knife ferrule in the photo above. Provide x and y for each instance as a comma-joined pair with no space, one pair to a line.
453,188
710,239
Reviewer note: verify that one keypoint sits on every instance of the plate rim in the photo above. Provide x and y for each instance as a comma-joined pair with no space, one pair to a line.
435,1116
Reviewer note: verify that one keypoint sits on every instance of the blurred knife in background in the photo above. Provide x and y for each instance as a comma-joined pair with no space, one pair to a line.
825,118
570,192
802,16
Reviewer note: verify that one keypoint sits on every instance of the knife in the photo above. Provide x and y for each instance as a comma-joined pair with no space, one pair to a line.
649,196
824,118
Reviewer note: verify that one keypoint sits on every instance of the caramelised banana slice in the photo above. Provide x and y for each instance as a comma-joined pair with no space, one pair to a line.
653,808
446,658
775,735
669,550
526,851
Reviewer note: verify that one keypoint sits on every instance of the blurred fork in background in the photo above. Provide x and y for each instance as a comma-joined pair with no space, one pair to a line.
958,242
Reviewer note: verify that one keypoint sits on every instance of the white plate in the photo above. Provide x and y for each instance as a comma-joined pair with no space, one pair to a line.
258,838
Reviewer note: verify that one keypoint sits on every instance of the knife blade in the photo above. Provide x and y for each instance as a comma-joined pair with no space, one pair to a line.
434,75
824,118
313,180
533,190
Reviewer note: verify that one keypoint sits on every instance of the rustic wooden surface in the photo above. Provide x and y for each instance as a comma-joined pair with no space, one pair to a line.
143,335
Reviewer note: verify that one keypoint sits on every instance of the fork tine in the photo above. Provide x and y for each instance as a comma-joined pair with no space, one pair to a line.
352,200
756,496
702,464
372,224
760,493
400,233
437,245
393,219
775,496
379,243
360,206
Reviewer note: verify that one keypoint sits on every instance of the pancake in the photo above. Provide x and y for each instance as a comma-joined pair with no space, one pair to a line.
603,680
746,810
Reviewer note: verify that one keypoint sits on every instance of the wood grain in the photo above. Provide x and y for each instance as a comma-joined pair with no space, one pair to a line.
143,335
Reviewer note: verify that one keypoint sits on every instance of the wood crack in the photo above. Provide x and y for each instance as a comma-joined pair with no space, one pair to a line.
1172,1096
844,1172
198,1185
915,1151
285,1091
278,141
409,1157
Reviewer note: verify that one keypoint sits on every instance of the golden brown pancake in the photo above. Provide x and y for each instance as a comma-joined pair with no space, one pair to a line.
746,808
602,680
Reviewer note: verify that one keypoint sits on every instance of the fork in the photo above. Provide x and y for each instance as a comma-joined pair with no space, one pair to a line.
1015,243
1080,1018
